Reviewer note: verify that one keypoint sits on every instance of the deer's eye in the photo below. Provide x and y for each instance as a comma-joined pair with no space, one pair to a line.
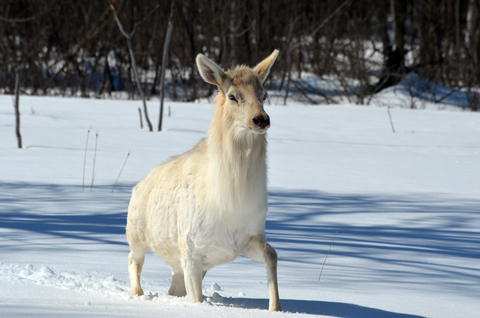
265,96
232,97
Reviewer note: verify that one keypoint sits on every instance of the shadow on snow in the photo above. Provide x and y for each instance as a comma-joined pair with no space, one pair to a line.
425,240
65,211
399,233
313,307
430,225
300,221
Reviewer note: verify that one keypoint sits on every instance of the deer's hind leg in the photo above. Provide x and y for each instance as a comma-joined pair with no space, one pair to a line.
136,258
177,288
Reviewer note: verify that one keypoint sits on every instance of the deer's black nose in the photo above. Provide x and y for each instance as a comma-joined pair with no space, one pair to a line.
261,121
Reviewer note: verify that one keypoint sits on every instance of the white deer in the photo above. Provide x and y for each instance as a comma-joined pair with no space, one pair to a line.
209,205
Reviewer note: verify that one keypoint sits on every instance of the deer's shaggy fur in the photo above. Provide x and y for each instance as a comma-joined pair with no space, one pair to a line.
209,205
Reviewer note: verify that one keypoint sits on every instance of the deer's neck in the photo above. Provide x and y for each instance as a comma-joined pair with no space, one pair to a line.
237,163
234,147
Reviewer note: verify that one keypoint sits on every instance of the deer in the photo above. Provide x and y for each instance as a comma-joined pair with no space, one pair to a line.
209,205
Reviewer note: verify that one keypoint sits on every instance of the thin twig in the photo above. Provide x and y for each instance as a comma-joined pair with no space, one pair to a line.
334,13
18,20
94,157
85,159
120,26
141,120
121,171
17,110
328,253
144,18
390,116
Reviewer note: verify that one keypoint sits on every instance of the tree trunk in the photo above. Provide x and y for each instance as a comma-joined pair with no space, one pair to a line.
399,14
472,39
458,42
155,80
394,59
235,22
164,64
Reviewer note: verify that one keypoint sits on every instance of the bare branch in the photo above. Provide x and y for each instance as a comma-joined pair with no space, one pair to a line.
334,13
120,26
144,18
14,20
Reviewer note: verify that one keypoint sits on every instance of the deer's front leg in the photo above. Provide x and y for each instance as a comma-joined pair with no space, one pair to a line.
259,250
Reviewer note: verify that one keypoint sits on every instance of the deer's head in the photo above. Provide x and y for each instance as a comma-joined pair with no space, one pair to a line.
242,92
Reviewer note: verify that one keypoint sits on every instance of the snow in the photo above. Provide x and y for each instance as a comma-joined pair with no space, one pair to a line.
406,206
417,92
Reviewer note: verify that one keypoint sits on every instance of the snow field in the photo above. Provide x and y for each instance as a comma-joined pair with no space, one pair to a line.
406,205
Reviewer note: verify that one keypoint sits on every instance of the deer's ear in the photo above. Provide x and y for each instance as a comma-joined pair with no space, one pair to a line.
263,68
212,73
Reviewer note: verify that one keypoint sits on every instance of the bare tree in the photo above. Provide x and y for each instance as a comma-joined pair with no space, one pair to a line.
133,61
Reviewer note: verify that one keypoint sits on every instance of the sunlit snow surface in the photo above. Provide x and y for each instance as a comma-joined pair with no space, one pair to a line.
406,206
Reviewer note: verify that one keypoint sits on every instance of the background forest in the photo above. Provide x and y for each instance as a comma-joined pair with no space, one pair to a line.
71,47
